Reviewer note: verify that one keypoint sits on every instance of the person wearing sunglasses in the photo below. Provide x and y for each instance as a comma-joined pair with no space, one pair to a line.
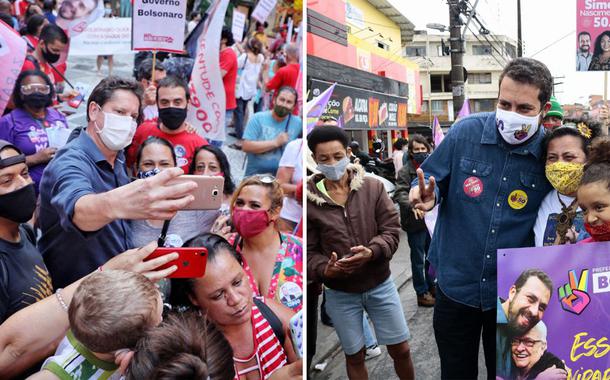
531,357
273,260
26,126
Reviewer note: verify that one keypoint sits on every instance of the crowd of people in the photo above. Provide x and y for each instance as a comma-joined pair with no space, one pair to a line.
521,176
79,217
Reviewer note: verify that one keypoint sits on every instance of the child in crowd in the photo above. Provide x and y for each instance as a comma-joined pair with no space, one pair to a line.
110,311
184,346
594,191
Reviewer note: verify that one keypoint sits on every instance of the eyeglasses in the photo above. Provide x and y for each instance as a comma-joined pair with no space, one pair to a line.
526,342
267,179
28,89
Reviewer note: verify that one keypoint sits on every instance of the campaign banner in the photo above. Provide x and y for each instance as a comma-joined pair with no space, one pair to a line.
107,36
12,55
315,107
576,315
237,26
263,10
592,30
206,110
158,25
74,16
355,108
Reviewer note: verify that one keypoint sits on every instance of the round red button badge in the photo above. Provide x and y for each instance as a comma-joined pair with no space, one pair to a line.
473,187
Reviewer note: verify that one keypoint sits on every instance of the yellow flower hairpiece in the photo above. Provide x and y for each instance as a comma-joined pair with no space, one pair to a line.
584,130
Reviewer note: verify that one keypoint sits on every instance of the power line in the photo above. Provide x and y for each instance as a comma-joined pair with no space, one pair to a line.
552,43
491,52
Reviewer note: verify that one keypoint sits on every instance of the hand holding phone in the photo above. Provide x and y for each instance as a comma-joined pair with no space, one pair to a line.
296,333
191,261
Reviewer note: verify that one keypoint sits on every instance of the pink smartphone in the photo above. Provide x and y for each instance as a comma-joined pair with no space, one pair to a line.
209,192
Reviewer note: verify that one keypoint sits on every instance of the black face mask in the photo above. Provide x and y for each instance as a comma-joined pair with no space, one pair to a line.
19,205
420,157
172,117
49,57
36,100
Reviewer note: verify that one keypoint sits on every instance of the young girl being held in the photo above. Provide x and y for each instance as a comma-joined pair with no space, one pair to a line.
594,191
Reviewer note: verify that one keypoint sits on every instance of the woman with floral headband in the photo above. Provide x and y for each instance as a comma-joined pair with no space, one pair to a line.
560,220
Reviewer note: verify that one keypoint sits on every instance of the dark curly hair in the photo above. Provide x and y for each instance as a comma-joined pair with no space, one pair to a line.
597,168
18,97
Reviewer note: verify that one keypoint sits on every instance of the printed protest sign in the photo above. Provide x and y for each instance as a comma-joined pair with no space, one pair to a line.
237,27
206,110
75,15
592,34
575,315
158,25
107,36
263,9
12,56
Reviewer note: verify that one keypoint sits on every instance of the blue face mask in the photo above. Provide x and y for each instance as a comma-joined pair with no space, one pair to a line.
336,171
148,173
420,157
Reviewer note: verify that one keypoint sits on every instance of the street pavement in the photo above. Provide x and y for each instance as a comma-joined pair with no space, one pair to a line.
423,346
82,71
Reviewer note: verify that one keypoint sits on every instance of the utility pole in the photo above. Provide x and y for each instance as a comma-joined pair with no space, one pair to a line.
457,55
519,39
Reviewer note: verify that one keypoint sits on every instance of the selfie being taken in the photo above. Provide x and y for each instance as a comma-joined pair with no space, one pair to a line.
151,194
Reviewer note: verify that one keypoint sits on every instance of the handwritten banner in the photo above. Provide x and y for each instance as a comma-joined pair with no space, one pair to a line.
237,26
106,36
159,25
12,56
207,105
578,312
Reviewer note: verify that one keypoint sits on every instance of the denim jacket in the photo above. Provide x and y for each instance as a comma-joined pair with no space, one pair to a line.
489,193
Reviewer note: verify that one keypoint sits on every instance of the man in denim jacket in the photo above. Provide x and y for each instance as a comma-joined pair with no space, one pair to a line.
488,176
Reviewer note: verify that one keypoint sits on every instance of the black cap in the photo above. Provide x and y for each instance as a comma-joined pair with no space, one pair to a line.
18,159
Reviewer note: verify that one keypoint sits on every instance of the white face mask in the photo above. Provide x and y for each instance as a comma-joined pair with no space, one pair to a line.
515,128
334,172
118,130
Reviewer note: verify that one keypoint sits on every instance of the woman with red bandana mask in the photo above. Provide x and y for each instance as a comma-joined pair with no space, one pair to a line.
273,260
594,191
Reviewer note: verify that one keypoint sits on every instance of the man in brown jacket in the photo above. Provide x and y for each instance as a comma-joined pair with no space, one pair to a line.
352,233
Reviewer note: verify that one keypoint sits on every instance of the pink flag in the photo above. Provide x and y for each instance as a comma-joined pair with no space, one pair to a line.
206,111
437,132
12,55
316,107
465,111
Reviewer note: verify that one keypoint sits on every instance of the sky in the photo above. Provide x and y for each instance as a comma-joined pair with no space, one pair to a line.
543,23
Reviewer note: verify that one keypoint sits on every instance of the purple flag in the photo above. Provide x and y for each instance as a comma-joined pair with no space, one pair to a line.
316,107
437,132
465,111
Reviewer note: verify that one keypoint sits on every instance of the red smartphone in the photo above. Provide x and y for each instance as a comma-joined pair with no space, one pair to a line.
191,261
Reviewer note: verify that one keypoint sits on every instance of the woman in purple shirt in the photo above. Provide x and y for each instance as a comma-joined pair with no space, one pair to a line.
26,126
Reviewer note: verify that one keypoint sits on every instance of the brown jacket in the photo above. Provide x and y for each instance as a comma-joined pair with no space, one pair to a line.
368,218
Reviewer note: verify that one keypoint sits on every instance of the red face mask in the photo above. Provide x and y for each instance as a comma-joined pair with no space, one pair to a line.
249,223
599,233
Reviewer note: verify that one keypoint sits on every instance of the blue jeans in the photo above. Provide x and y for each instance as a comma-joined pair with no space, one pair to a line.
240,111
419,242
382,304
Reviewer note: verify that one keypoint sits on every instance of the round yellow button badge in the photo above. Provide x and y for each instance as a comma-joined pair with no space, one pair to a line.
517,199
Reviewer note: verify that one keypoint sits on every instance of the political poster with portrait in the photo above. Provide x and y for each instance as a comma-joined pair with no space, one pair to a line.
107,36
206,111
12,55
75,15
553,312
592,35
158,25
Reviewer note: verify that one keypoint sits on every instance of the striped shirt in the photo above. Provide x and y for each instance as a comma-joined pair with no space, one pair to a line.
74,361
268,354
